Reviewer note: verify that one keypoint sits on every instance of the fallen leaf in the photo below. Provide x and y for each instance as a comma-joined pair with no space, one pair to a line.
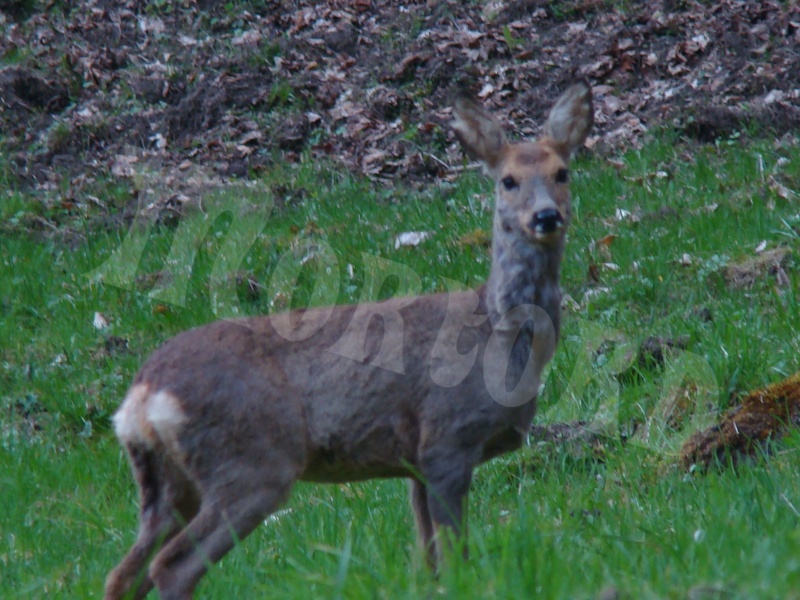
575,29
594,292
568,301
123,165
607,240
625,215
411,238
478,237
185,40
486,91
99,322
151,25
159,141
593,274
249,38
618,164
251,136
780,189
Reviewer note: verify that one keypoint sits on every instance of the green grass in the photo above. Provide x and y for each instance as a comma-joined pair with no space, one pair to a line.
541,521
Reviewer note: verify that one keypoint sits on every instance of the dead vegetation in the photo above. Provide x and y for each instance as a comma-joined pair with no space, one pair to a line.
763,416
768,263
366,83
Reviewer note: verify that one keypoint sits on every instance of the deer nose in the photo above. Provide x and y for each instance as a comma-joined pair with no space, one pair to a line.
547,221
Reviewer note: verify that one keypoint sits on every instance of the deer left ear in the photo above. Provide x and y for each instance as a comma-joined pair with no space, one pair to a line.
571,118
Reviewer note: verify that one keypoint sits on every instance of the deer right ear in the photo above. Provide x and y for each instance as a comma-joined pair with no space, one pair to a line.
480,134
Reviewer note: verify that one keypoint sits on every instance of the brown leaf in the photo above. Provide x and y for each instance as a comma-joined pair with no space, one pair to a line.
251,136
477,237
780,189
593,274
123,165
607,240
406,67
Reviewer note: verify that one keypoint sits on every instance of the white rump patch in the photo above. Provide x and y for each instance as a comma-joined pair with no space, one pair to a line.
129,422
164,414
146,418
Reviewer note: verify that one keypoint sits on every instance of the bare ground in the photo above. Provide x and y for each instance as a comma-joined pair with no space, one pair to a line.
106,86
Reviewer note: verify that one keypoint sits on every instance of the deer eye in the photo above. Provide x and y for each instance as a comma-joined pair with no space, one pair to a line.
562,175
509,183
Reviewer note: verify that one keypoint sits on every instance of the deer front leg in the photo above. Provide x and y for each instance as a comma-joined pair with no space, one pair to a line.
448,476
422,518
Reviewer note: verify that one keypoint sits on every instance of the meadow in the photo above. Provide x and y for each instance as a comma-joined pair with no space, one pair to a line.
654,233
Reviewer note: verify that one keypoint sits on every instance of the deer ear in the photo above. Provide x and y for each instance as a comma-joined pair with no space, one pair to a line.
571,118
480,134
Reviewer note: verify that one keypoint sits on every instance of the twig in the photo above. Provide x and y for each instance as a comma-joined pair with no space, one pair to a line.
794,510
473,166
428,154
438,160
760,163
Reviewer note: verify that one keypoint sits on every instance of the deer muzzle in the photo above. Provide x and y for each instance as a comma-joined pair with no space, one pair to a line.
546,222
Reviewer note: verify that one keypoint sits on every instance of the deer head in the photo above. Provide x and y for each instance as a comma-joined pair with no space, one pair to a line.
531,178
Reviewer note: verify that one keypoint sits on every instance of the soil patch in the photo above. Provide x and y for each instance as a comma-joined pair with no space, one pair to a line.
234,86
769,263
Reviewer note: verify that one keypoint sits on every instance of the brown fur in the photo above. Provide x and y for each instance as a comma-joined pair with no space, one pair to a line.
222,420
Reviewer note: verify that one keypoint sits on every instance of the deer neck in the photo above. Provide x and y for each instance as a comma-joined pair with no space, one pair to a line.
524,274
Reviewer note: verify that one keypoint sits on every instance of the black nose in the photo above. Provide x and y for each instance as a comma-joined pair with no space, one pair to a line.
547,221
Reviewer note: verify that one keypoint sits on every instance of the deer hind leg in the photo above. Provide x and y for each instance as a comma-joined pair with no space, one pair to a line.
168,501
229,511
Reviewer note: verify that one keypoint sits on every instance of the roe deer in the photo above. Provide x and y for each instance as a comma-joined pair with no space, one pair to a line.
222,420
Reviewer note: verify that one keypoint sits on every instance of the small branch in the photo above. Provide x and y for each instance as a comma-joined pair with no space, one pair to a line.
794,510
473,166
